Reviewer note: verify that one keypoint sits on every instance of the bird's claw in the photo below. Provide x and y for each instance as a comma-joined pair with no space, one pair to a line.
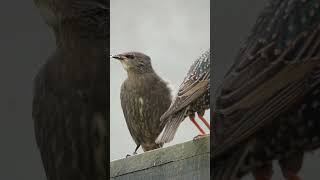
134,153
200,136
128,155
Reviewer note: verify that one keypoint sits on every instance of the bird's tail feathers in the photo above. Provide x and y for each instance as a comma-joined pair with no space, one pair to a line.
171,127
164,119
165,116
227,167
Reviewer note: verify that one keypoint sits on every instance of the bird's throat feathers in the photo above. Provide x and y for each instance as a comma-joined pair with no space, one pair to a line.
138,74
125,66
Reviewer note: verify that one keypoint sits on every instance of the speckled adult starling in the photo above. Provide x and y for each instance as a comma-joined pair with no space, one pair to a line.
193,97
267,105
144,98
70,91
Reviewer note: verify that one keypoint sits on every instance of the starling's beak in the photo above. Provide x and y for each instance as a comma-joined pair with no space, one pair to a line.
122,59
119,57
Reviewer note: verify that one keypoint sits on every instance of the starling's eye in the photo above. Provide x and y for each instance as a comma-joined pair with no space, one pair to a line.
129,56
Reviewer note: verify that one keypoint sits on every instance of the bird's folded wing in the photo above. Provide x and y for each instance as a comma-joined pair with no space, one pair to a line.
261,104
270,74
194,85
188,92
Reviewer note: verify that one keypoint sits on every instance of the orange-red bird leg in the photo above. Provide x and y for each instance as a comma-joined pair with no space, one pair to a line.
204,121
263,173
289,175
197,125
291,165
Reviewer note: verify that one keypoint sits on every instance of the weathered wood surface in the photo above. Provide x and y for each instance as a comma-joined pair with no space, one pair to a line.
186,161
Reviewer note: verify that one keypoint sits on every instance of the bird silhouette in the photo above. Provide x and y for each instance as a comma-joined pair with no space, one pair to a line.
70,91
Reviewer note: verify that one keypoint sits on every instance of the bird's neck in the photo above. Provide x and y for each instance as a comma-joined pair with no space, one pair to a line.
139,77
134,75
139,82
70,38
79,60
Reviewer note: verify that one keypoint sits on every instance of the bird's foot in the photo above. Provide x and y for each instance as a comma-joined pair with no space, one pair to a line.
134,153
128,155
263,173
200,136
291,175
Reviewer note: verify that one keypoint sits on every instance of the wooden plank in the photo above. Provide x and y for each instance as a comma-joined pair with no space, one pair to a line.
189,160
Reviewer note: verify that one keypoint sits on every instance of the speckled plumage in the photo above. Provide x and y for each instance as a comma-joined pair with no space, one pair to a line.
144,98
200,71
193,96
266,102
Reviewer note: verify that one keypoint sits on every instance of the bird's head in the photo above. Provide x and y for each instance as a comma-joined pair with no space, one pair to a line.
58,12
135,62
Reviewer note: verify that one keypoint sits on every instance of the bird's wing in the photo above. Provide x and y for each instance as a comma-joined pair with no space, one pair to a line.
193,85
130,107
70,132
269,74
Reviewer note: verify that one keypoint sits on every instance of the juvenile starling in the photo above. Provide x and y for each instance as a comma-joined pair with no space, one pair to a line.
193,97
269,98
144,98
70,91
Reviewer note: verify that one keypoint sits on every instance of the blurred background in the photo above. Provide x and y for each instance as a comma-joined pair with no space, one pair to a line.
232,23
26,42
174,34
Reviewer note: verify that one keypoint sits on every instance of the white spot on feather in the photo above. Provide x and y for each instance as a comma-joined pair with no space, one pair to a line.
141,101
141,106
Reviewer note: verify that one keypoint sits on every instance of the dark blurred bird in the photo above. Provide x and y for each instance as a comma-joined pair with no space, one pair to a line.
267,104
70,98
193,97
144,98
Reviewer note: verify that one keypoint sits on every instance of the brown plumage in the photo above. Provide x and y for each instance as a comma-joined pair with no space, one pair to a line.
264,104
192,97
70,91
144,98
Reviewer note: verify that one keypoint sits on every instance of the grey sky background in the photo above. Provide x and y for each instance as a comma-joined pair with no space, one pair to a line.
173,33
25,43
232,22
